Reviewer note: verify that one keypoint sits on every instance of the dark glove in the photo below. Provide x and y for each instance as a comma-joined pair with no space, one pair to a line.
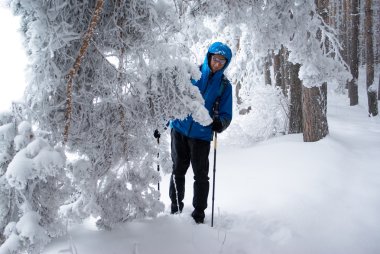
156,134
217,126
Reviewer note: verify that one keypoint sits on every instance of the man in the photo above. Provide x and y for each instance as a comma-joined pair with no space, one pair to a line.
190,141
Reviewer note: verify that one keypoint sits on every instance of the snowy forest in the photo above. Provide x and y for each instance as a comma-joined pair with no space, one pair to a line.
103,75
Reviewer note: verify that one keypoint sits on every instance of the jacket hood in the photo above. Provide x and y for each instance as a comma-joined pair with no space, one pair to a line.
219,48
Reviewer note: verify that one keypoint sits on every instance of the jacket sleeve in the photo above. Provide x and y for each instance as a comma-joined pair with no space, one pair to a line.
225,107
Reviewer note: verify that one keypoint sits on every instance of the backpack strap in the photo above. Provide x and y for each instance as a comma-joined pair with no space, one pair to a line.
223,85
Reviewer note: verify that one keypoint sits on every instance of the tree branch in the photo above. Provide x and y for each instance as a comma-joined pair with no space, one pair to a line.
74,70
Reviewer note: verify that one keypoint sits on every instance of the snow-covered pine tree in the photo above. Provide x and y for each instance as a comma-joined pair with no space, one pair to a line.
33,186
7,152
131,81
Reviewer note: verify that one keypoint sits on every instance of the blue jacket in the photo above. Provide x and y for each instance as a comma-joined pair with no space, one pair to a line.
210,86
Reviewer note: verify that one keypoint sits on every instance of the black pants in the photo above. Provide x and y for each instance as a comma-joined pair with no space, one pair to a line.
185,150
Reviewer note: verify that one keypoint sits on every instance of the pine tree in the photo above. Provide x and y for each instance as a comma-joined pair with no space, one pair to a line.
33,186
7,152
129,80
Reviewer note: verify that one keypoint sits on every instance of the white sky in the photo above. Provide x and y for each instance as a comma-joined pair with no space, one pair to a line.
12,61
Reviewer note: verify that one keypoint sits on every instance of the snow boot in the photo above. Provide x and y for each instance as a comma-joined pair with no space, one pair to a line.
174,208
198,216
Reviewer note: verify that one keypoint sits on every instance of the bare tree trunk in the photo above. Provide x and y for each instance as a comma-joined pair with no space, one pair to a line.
354,59
283,69
378,90
268,80
314,112
377,32
334,14
362,34
295,108
277,68
370,73
346,30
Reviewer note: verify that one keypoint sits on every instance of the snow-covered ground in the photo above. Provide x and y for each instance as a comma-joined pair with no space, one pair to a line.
277,196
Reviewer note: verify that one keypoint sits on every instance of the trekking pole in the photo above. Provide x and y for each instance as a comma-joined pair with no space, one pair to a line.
157,135
158,165
213,181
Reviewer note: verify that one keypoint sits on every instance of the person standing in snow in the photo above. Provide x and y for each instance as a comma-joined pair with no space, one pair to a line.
190,141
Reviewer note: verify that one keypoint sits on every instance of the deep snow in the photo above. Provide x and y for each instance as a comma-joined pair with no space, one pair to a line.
277,196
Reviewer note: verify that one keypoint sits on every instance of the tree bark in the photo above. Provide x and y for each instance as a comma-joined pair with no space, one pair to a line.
377,32
362,34
295,108
378,90
314,110
284,71
277,68
268,80
346,30
370,73
354,59
334,14
74,70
